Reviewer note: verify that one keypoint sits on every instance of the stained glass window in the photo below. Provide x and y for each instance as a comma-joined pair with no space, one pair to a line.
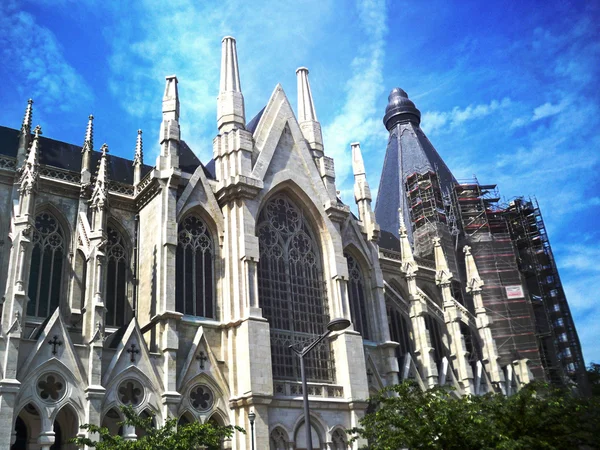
195,270
116,280
292,291
356,294
45,274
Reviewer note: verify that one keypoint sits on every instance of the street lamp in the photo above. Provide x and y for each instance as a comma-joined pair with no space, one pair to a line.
335,325
251,418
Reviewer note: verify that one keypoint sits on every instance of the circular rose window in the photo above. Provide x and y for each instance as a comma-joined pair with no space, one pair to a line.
131,392
202,398
51,387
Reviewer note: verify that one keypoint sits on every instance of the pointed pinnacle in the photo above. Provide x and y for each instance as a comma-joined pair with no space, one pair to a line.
358,164
102,167
230,75
138,158
32,157
306,106
26,126
88,142
402,229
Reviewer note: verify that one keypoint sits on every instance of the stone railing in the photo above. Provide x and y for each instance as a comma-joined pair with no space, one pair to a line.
294,389
7,163
144,182
467,314
55,173
121,188
389,254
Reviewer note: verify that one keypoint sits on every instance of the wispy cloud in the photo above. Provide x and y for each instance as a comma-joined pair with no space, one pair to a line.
443,121
37,64
548,109
358,119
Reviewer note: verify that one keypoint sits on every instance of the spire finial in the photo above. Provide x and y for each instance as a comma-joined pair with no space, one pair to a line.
170,106
230,103
306,107
400,109
442,271
26,126
138,158
402,228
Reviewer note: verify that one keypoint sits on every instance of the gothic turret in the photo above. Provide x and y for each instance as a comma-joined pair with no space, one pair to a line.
25,135
307,117
138,159
362,194
230,102
170,134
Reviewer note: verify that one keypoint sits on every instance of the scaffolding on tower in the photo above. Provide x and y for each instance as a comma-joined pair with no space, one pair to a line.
559,343
504,296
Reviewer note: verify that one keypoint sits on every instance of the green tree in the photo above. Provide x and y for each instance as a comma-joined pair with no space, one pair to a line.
168,437
593,373
537,417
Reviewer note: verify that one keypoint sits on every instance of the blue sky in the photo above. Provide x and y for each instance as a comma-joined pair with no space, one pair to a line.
508,91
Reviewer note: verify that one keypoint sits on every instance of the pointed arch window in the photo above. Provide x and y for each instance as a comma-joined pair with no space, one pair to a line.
194,292
116,279
356,294
291,290
400,332
46,270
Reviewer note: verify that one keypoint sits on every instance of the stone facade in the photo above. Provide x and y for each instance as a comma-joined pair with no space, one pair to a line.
106,328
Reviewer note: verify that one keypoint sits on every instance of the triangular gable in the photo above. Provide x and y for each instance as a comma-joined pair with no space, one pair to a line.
277,129
131,352
201,360
198,191
409,371
352,234
53,345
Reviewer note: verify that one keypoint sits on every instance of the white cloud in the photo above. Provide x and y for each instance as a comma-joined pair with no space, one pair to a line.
548,109
359,119
38,65
440,121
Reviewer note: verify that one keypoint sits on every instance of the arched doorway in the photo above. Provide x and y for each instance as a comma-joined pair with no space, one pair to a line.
27,428
300,437
66,426
112,421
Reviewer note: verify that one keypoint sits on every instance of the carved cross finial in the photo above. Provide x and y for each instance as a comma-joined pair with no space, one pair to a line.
133,351
201,358
55,343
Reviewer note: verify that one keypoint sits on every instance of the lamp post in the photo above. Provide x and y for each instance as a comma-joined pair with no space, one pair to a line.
251,418
334,325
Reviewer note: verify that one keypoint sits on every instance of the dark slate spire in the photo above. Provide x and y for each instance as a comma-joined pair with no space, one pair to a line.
408,152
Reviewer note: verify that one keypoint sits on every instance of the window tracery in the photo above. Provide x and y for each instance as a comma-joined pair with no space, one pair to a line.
45,274
195,269
116,280
400,332
356,294
292,291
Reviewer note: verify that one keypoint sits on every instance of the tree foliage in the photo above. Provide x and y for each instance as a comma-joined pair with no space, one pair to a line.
168,437
537,417
593,373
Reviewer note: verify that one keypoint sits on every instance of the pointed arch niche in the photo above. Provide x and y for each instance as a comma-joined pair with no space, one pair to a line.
118,308
357,295
291,289
47,265
195,269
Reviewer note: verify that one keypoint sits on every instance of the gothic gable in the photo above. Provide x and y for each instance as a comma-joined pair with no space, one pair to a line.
281,152
199,192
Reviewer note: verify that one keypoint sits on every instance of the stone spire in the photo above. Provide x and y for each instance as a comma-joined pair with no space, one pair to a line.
409,265
474,281
362,194
99,200
443,275
25,134
88,145
29,176
170,134
138,159
307,117
230,102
